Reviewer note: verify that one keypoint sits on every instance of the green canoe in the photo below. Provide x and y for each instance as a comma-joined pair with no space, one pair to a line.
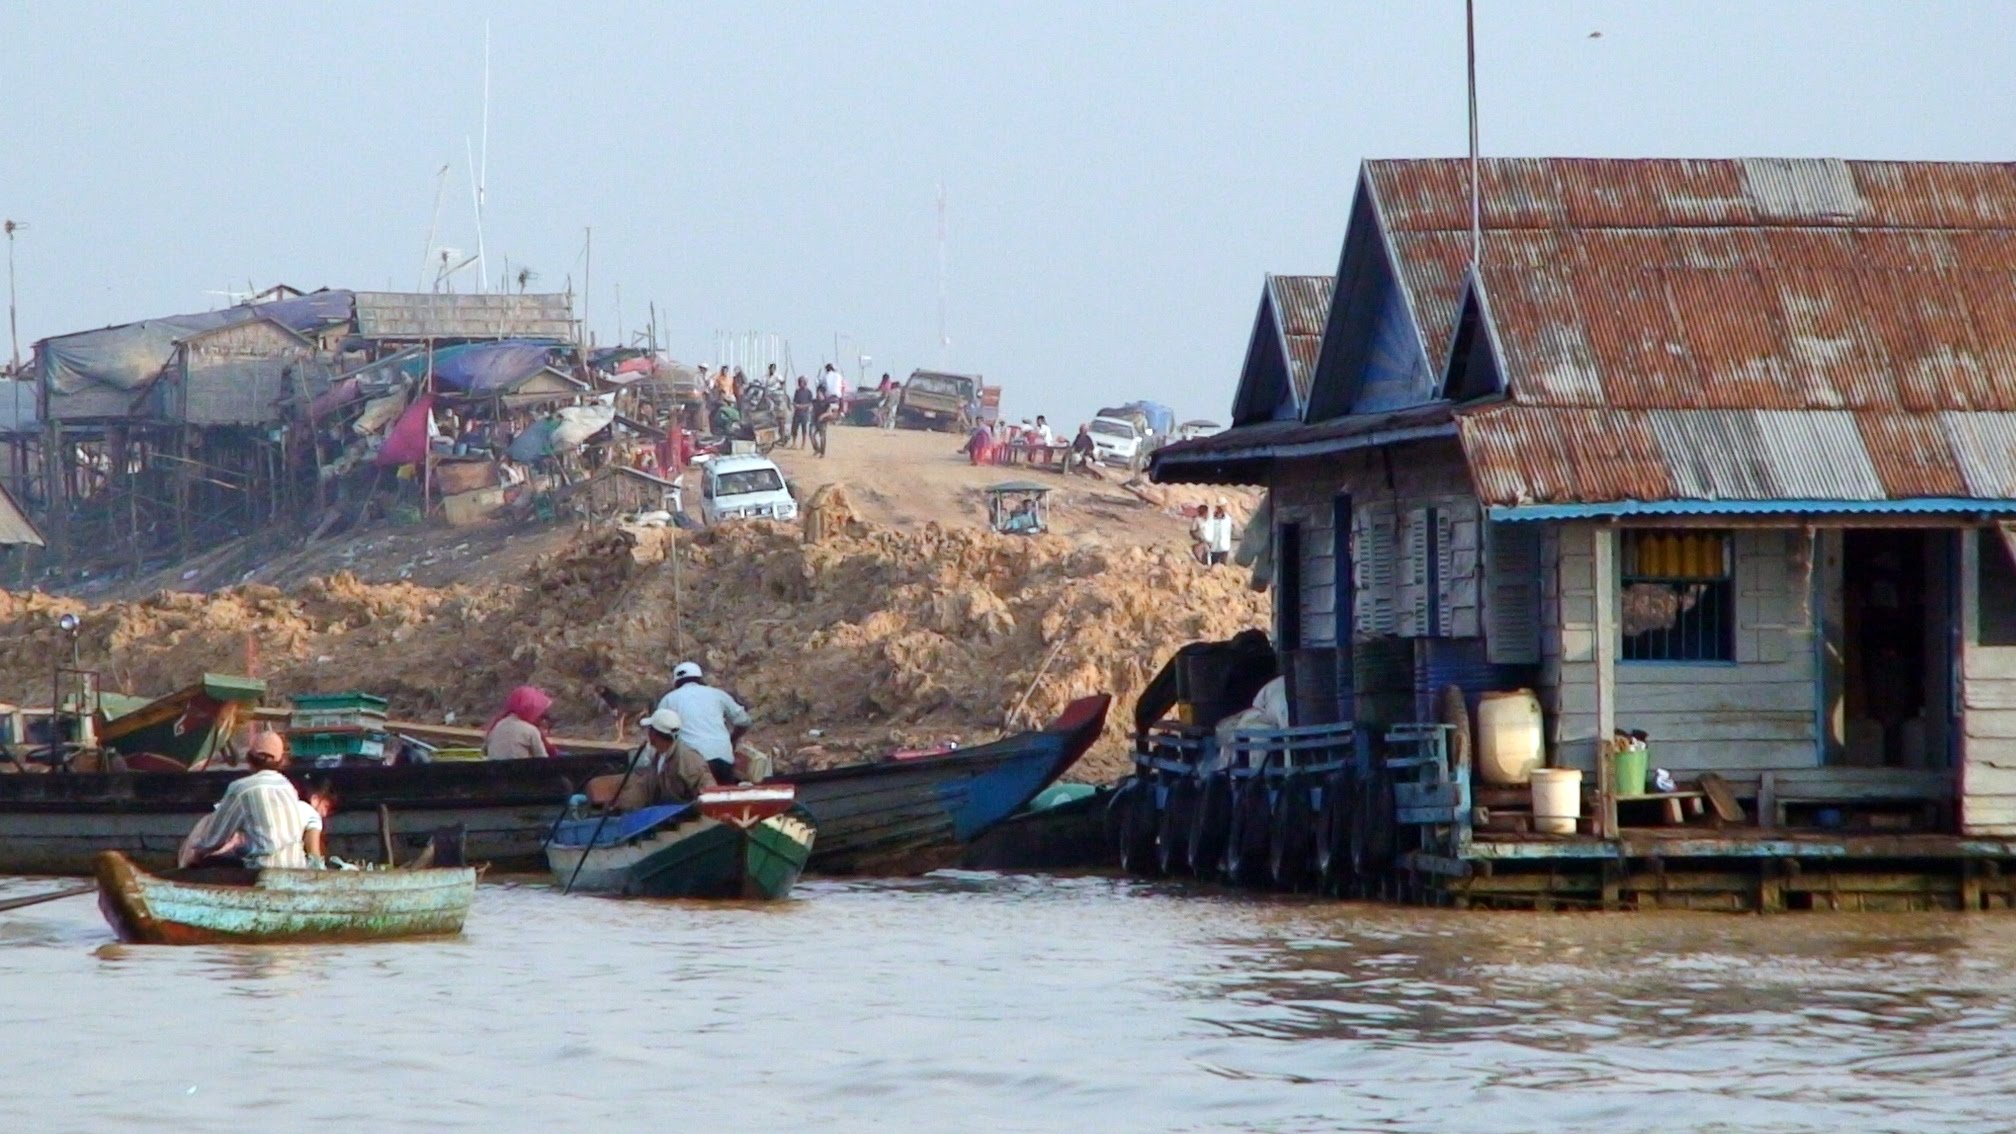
746,842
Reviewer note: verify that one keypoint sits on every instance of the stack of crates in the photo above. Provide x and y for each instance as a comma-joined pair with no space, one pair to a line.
330,730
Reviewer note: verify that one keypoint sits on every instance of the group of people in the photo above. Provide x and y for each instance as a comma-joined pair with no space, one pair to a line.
692,741
987,444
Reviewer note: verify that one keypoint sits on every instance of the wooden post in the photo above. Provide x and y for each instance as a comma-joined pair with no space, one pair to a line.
1606,676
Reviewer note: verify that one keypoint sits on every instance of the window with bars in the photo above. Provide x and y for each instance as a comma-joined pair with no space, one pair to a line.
1678,596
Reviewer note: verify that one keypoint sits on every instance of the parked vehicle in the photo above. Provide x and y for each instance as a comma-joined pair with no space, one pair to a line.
1191,430
1117,441
931,400
744,487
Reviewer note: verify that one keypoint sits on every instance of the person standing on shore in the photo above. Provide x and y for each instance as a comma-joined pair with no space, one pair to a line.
1213,533
834,381
825,407
801,414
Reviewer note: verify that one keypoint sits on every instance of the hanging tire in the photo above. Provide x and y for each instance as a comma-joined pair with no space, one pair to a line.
1210,823
1172,829
1291,836
1246,841
1333,826
1134,810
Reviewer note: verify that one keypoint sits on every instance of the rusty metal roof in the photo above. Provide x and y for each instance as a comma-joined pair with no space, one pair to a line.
1762,329
1301,307
428,315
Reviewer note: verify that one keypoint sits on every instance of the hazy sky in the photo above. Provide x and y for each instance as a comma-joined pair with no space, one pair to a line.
1120,176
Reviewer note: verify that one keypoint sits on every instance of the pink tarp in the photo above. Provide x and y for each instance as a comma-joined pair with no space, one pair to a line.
406,441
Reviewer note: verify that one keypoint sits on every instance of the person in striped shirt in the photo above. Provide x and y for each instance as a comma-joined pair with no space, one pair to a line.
259,822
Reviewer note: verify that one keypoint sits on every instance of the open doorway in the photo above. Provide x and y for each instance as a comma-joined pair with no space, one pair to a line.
1897,648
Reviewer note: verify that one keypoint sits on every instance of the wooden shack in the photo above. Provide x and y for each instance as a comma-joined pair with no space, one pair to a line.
1722,451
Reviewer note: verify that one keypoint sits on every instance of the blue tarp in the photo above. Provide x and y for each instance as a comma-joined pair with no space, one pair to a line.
129,356
1161,419
619,828
482,368
534,443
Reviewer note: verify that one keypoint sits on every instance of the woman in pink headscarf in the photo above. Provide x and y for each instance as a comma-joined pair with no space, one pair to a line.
518,731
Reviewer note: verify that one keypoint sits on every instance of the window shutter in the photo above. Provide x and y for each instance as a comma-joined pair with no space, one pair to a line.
1512,599
1456,539
1373,547
1414,594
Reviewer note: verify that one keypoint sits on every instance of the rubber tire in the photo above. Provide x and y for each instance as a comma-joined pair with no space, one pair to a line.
1291,836
1245,862
1172,829
1135,805
1333,827
1210,824
1453,708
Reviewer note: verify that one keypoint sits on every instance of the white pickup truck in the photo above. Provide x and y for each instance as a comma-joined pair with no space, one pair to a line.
1116,441
744,487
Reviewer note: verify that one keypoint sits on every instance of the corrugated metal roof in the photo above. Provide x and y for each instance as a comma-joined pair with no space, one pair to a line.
1760,329
1301,307
1239,455
427,315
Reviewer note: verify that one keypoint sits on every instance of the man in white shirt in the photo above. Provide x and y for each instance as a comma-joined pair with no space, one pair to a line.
1214,534
835,381
259,821
711,722
1045,435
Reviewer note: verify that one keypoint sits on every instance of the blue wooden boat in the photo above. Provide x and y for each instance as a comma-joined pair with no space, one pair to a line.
269,907
904,815
735,842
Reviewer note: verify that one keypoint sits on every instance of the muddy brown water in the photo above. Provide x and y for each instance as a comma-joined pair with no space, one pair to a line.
1004,1003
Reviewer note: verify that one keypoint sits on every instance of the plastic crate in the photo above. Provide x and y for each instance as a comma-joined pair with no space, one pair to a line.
369,743
337,702
324,720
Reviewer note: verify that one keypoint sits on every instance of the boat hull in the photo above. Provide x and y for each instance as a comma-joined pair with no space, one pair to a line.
909,816
58,823
696,858
891,816
283,906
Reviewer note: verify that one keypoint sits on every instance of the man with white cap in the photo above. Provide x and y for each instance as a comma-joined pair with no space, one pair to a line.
663,769
1214,534
712,722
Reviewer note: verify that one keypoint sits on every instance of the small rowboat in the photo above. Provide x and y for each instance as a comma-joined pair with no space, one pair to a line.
735,842
267,907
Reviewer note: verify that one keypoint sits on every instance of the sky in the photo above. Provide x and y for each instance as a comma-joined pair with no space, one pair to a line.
1118,177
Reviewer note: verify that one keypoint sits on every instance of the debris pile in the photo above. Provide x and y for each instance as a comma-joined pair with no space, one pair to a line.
872,637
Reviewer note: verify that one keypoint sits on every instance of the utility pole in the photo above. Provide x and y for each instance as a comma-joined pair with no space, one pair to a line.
944,342
13,327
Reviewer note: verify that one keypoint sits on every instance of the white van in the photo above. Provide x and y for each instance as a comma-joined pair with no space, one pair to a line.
1116,441
736,488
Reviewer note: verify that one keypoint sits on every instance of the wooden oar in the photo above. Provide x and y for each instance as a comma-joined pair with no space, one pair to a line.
38,899
597,836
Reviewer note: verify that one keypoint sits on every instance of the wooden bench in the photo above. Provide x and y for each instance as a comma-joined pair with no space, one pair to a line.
1678,804
1770,791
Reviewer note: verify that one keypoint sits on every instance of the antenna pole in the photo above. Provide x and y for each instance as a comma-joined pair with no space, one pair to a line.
944,343
483,169
1476,187
476,196
13,328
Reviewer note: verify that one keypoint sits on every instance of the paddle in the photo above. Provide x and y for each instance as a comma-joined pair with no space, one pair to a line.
597,836
38,899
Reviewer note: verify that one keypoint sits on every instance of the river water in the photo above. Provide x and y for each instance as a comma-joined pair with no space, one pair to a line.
1005,1003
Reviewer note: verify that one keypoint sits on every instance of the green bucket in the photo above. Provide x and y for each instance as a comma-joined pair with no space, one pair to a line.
1627,776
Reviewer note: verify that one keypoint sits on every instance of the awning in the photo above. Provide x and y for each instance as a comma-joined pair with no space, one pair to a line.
1620,509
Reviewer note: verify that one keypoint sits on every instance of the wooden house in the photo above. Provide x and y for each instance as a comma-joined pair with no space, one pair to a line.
1723,451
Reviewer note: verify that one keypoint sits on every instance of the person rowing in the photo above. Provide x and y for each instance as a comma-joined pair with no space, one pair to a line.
260,821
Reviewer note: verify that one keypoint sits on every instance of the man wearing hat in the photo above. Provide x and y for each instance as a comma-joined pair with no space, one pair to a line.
1214,534
663,769
712,721
260,820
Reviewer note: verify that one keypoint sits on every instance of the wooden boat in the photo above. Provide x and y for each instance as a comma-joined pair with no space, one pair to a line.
186,725
735,842
893,815
270,907
58,822
898,816
1064,833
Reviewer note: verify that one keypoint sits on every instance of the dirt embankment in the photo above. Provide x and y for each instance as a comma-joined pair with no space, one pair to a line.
873,637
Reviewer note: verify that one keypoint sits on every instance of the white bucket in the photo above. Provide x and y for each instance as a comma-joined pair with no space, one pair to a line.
1557,800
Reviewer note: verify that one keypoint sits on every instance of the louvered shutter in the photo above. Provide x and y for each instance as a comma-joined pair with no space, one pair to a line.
1414,596
1374,570
1512,599
1456,540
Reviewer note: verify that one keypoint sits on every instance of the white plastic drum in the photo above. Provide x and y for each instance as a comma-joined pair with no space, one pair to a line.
1557,800
1508,737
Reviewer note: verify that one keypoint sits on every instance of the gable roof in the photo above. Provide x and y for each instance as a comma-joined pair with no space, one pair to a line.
1282,352
1730,330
